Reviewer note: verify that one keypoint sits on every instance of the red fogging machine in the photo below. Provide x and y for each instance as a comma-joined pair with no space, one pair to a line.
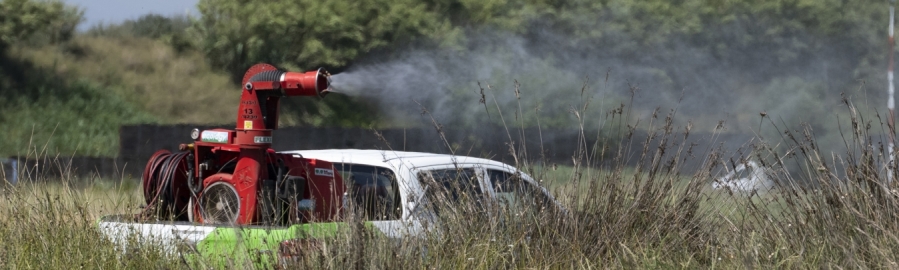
234,177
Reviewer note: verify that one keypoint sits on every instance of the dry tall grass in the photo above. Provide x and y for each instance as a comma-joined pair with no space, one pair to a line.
52,224
825,211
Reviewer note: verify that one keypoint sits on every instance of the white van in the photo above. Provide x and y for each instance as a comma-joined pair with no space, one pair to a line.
394,189
400,193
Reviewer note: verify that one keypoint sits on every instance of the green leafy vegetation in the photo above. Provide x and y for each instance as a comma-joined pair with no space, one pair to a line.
789,59
64,118
71,98
36,22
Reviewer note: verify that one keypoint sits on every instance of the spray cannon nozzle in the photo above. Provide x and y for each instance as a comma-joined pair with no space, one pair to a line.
264,86
306,83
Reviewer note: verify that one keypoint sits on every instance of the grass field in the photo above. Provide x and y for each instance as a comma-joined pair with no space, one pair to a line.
52,225
620,217
826,211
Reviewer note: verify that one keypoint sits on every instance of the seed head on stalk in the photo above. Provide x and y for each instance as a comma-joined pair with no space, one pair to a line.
763,114
484,100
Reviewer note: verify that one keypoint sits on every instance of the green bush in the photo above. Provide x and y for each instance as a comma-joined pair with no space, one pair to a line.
37,22
76,118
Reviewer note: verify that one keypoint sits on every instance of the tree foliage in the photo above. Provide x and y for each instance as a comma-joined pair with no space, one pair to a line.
37,21
154,26
749,34
719,57
305,34
722,54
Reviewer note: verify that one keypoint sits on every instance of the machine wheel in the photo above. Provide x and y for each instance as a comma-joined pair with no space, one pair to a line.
219,204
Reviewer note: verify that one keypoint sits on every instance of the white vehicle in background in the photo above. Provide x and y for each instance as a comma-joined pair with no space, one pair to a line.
397,190
746,177
402,194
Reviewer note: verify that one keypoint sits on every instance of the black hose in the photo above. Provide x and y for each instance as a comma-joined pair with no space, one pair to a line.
161,189
279,179
267,76
165,187
194,188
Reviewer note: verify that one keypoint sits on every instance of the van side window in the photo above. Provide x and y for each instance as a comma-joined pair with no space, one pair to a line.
453,189
514,192
372,192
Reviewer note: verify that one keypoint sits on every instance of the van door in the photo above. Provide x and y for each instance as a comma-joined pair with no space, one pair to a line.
373,194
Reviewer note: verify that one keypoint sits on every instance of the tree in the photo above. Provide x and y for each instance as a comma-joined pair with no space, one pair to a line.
153,26
38,21
304,34
171,30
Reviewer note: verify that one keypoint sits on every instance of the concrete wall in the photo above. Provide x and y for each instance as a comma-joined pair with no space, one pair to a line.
138,142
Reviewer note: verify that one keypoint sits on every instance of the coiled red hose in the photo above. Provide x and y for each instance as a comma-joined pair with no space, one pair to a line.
164,183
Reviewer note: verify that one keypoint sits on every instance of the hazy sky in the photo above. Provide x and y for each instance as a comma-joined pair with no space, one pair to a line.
115,11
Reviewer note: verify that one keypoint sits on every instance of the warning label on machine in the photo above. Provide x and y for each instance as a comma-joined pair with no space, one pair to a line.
262,139
214,136
324,172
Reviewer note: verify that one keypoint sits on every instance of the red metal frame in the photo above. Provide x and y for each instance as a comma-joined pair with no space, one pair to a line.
248,149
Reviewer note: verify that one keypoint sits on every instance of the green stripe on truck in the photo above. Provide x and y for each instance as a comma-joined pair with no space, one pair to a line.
236,247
